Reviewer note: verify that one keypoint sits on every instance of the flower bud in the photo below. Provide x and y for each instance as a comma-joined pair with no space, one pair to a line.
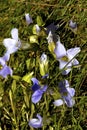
28,19
51,44
40,31
36,29
43,64
72,24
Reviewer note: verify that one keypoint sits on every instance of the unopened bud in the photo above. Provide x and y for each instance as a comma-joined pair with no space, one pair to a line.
43,64
51,44
36,29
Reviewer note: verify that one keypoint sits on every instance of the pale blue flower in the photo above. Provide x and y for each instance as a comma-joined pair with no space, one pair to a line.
37,95
67,94
5,70
60,50
28,19
36,122
38,91
66,57
12,44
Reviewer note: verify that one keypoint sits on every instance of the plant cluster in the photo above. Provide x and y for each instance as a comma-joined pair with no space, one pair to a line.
46,45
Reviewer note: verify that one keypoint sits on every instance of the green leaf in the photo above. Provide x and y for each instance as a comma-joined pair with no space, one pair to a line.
13,86
16,77
1,89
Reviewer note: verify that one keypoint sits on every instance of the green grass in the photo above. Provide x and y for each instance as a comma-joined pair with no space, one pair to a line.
16,107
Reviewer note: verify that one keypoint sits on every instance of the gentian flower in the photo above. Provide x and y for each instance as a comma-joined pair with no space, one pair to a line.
38,91
12,44
36,123
43,64
28,19
5,70
67,94
66,58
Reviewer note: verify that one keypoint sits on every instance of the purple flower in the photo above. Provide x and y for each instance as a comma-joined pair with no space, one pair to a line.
36,85
5,70
37,95
28,19
67,94
66,57
38,91
36,123
12,44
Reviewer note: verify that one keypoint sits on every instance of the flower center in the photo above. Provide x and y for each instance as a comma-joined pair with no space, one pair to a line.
65,94
65,58
1,66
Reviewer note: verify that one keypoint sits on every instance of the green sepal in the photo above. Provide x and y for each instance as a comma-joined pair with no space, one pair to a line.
27,77
40,21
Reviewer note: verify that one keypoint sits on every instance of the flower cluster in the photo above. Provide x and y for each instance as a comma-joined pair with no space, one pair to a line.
66,58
